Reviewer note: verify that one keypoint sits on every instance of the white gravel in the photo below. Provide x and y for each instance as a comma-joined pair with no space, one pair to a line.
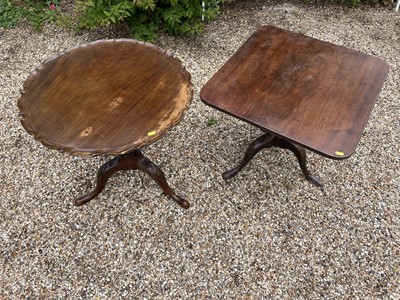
265,234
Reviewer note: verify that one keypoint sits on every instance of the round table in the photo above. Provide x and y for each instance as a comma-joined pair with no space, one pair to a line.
109,97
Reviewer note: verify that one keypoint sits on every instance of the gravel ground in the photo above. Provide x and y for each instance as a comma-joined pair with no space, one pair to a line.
265,234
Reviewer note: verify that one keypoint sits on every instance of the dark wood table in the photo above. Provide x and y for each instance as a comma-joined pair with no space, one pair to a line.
109,97
304,93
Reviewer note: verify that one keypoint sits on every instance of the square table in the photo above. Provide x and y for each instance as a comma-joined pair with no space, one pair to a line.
303,92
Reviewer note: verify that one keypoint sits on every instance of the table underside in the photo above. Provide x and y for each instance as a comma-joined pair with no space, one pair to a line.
134,160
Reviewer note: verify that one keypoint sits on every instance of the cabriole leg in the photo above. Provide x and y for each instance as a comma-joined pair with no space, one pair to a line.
264,141
300,153
131,161
268,140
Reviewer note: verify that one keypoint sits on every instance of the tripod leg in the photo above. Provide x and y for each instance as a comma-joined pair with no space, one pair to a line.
130,161
145,165
104,173
264,141
300,153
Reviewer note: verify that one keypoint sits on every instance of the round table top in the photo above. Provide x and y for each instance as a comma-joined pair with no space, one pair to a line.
105,97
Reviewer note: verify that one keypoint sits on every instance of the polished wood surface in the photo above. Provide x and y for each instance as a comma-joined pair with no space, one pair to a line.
106,97
303,90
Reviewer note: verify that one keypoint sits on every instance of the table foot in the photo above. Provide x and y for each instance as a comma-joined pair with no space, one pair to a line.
268,140
300,153
131,161
262,142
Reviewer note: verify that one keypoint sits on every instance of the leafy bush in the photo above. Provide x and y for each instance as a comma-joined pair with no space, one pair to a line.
145,17
35,12
9,14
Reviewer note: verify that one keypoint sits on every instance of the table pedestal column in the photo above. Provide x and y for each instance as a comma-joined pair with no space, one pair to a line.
131,161
268,140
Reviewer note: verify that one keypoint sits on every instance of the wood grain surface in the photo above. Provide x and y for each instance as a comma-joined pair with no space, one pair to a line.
106,97
307,91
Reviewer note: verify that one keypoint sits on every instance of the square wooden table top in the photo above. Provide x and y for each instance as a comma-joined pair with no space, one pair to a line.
304,90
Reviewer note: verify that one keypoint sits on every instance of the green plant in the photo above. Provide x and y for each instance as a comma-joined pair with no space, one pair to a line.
212,121
35,12
9,14
146,17
354,2
302,31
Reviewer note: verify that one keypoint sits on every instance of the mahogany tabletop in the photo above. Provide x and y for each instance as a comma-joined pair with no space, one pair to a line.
105,97
307,91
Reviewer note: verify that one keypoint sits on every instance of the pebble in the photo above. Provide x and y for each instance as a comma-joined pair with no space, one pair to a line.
265,234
